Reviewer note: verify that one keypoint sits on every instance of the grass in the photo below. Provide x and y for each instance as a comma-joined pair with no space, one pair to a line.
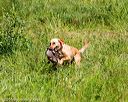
26,28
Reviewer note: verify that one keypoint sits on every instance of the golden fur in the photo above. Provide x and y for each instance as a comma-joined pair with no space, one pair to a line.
68,51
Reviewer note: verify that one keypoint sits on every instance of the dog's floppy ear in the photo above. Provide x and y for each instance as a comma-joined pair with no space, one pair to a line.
61,41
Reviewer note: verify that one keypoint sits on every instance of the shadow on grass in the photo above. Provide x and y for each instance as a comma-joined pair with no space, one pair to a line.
51,68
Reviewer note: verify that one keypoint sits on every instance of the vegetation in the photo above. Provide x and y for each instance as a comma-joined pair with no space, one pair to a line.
26,27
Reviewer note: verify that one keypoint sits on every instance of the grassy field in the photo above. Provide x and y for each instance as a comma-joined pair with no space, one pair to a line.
26,27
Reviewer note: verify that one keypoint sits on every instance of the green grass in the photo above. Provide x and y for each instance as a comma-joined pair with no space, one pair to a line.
26,27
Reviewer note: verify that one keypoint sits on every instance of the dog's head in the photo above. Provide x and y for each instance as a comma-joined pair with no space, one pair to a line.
56,44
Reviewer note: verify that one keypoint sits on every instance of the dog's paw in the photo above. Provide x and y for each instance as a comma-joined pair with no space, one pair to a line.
60,62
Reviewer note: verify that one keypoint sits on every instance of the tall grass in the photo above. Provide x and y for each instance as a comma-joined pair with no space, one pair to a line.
25,30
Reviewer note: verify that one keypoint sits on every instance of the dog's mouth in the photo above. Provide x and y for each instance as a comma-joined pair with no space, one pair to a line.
55,49
50,49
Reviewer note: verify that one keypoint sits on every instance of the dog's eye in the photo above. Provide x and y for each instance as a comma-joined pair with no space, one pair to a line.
50,43
53,43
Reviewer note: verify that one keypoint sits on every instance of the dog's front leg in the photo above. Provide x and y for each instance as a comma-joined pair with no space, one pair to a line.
64,59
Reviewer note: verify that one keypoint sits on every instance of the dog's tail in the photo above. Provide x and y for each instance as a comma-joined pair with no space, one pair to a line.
86,44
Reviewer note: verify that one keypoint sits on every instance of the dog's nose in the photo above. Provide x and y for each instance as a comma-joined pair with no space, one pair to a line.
51,47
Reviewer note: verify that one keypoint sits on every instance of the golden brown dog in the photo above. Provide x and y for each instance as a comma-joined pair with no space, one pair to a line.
69,52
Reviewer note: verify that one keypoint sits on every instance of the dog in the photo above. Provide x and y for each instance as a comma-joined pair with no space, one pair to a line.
69,52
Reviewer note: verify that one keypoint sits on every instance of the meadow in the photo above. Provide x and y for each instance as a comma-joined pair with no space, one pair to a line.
26,27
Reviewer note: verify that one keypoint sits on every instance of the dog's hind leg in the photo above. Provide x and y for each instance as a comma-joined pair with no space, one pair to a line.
77,58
